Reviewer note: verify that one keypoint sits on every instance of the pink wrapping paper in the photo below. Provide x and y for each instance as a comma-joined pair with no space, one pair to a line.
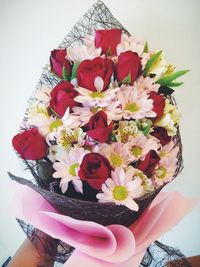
96,245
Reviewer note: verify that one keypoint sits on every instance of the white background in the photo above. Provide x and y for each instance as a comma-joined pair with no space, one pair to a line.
30,29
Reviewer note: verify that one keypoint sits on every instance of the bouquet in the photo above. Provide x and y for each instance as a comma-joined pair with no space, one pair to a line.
101,138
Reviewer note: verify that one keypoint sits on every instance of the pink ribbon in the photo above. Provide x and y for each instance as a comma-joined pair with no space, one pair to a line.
96,245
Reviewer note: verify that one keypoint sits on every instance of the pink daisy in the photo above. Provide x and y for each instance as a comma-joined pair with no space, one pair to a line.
135,105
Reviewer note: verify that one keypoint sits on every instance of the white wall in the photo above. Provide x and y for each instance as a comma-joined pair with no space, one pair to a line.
29,29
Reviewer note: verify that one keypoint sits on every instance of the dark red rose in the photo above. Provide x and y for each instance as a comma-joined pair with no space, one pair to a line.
62,97
88,70
108,40
149,163
161,134
128,67
95,169
30,145
58,61
158,103
98,127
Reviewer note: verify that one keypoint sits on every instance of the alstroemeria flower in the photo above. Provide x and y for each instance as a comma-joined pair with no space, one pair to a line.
121,189
169,120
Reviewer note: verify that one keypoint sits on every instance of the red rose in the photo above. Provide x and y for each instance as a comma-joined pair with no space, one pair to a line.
95,169
58,61
88,70
149,163
128,67
62,97
108,40
158,103
30,145
98,127
161,134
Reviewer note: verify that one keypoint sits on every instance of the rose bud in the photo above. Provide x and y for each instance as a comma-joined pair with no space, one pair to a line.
30,145
98,128
95,169
149,163
62,97
128,67
88,70
161,134
58,62
108,40
158,103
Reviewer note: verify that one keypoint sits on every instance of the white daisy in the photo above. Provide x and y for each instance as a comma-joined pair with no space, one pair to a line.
121,189
116,153
135,105
67,169
48,125
83,51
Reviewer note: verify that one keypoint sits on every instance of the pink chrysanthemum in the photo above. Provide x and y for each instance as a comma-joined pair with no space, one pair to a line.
139,146
146,85
67,169
135,105
121,189
116,153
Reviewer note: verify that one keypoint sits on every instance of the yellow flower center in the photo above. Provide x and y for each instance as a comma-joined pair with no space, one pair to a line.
116,160
120,192
136,151
72,169
55,124
133,107
96,94
161,172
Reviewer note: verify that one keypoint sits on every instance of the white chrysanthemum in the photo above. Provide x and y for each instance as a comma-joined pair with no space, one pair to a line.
139,146
98,98
130,43
116,153
121,189
83,51
135,105
56,152
67,169
146,85
43,94
49,125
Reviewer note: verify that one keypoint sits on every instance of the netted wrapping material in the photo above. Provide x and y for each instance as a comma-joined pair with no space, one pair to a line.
98,17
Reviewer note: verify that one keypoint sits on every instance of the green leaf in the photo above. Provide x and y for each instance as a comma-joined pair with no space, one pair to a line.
150,62
74,70
65,74
166,80
175,84
146,129
146,47
127,79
